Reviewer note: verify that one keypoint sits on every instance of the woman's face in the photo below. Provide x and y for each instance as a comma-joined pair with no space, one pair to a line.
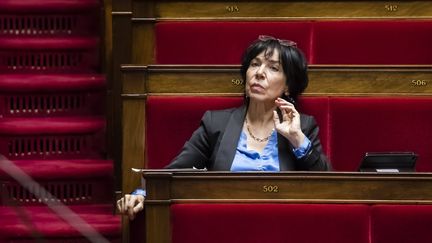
265,78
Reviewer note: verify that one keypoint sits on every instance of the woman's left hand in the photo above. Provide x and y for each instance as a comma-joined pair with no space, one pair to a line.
290,126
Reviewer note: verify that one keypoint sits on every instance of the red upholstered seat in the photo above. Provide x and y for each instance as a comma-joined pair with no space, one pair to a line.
349,126
368,124
300,223
164,140
401,223
51,227
372,42
324,42
220,42
318,107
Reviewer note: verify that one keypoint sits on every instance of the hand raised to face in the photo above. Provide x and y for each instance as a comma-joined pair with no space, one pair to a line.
289,126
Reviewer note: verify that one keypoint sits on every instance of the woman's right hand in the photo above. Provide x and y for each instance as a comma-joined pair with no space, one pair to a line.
130,205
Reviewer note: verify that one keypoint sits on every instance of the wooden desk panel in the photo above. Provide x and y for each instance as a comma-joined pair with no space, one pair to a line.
166,187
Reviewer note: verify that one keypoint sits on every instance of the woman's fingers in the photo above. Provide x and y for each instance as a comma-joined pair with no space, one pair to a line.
288,112
120,203
135,204
138,207
281,101
130,205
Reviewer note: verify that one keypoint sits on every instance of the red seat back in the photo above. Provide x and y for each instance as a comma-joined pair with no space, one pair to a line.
373,42
359,125
323,42
401,223
220,42
172,119
276,223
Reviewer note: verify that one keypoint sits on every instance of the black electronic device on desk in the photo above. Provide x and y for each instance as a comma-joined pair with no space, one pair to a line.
388,162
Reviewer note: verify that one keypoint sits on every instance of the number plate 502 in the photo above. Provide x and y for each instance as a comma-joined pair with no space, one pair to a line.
270,188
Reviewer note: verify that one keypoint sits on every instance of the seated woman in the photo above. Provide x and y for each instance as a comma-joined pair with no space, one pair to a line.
267,133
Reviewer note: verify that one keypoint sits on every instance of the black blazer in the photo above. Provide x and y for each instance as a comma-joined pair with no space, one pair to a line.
213,145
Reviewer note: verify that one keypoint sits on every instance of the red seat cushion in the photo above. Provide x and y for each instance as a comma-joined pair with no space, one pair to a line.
220,42
359,125
300,223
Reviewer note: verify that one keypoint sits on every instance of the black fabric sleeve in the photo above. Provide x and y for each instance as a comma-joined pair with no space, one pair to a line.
315,159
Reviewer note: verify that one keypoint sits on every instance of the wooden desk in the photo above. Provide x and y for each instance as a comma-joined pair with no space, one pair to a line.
166,187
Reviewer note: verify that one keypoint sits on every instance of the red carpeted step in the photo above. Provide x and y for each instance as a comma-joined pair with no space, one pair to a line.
69,181
47,6
39,24
51,227
24,95
51,82
48,43
52,138
51,126
60,169
42,54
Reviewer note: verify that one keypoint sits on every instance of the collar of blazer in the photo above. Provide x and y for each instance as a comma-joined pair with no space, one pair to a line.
228,145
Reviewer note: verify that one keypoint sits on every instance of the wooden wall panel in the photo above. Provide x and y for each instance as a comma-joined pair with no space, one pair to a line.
133,141
143,45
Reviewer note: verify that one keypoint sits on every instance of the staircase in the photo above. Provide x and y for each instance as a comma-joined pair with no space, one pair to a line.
52,122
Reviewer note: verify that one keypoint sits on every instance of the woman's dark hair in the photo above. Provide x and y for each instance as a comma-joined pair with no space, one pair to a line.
292,59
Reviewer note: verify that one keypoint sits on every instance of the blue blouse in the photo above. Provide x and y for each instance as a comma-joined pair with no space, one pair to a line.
251,160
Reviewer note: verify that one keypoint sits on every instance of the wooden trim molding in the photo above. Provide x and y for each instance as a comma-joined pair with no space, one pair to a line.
324,80
280,10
